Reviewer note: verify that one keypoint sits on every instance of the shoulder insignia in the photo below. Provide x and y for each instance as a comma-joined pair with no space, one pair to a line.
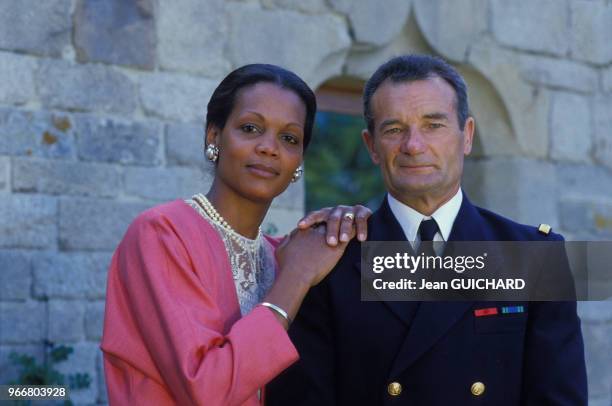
544,229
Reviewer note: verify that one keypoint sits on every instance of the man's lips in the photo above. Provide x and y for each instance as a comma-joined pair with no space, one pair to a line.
263,170
416,167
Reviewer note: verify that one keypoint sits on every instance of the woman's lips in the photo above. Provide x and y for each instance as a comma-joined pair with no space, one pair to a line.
262,171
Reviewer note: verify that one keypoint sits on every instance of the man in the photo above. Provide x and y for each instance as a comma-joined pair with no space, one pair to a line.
429,353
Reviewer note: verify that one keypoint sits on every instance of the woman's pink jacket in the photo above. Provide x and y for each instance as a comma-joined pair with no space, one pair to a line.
173,333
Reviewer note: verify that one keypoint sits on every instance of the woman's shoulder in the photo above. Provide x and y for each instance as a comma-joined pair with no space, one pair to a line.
176,215
161,213
175,208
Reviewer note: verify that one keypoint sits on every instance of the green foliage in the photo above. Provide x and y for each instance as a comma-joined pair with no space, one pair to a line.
338,166
33,373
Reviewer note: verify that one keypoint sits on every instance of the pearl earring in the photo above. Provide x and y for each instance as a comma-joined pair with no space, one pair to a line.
212,152
297,174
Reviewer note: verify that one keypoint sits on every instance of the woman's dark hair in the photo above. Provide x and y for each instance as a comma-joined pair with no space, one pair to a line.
409,68
223,98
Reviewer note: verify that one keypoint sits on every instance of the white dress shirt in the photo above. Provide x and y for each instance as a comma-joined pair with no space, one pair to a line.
410,219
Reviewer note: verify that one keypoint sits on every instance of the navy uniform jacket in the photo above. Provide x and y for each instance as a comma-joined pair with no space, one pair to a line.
351,351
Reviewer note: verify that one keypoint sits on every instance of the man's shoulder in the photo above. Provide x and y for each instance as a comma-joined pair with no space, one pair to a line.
509,230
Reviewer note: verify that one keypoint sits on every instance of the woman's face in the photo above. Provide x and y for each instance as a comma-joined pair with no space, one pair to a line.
262,143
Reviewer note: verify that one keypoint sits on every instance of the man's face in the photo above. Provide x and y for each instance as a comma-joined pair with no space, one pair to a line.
417,140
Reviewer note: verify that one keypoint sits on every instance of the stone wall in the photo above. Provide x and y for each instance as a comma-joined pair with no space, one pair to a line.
102,104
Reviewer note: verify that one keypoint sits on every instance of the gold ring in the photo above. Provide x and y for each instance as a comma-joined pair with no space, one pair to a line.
349,216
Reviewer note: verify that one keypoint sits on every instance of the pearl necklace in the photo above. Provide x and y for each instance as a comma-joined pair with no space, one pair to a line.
245,243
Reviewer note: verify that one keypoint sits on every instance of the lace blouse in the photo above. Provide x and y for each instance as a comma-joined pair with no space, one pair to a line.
253,269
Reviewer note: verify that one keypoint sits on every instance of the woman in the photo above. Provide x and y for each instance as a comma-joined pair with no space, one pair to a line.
196,312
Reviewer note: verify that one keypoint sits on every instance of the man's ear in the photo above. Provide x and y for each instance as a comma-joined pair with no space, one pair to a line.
468,135
368,140
212,135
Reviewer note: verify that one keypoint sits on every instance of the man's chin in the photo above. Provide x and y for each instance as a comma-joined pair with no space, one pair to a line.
417,188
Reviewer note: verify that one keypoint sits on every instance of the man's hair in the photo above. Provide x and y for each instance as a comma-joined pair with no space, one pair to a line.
410,68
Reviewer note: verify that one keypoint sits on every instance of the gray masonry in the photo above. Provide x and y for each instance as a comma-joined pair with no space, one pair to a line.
102,108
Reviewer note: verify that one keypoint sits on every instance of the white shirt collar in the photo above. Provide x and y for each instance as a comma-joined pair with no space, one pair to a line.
410,219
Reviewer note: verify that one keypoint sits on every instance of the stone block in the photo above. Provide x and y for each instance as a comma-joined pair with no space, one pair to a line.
185,144
5,165
314,47
65,178
17,72
451,27
531,25
94,320
366,16
280,221
509,186
598,354
558,73
22,322
595,312
102,393
176,96
40,134
361,62
590,216
15,275
193,38
584,181
494,134
10,372
90,224
586,215
116,32
602,136
66,320
28,222
163,184
118,141
570,127
292,198
591,31
528,107
83,361
41,28
70,276
65,85
605,401
607,80
304,6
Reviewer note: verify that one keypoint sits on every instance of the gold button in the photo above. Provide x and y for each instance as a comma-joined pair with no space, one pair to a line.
394,388
478,388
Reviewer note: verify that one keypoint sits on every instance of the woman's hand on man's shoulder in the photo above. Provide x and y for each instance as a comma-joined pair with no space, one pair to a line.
341,222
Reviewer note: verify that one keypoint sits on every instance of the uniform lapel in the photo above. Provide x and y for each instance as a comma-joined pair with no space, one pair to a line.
434,319
383,226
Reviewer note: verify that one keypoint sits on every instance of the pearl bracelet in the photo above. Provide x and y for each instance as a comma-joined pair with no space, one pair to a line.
278,310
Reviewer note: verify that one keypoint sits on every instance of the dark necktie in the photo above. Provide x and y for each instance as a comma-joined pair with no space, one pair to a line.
428,229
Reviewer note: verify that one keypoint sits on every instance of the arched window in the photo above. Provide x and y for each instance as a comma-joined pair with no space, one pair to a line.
338,167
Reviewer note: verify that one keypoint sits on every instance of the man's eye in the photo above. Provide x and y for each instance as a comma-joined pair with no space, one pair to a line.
289,138
435,125
392,131
249,128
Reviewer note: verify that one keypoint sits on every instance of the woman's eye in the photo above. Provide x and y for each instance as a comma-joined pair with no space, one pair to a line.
289,138
249,128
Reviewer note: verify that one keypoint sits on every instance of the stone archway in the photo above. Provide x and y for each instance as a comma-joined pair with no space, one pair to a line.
511,116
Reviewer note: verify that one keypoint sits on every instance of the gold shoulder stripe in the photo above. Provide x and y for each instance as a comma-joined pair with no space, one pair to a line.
544,229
